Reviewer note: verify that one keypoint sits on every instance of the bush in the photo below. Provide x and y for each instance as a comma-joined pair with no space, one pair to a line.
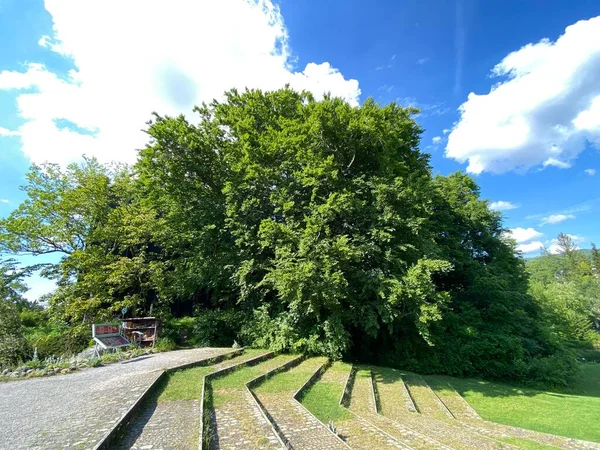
57,343
206,328
13,345
165,344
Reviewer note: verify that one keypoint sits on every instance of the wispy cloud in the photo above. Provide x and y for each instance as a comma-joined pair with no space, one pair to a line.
422,60
590,172
437,140
3,200
580,207
459,46
427,109
389,65
556,218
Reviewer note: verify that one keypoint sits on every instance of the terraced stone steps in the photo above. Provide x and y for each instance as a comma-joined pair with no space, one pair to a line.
236,420
164,422
438,426
425,400
357,432
363,402
298,428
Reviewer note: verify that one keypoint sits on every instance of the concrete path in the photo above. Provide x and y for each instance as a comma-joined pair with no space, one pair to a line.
74,411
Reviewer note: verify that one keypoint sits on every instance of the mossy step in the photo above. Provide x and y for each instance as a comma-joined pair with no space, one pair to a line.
450,433
298,428
455,403
424,398
323,399
237,421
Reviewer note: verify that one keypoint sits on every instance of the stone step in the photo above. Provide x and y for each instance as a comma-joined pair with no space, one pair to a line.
364,403
425,400
236,419
455,403
298,428
447,432
165,423
355,430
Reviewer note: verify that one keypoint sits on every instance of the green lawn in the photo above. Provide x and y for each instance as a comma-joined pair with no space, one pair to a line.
322,399
186,384
574,412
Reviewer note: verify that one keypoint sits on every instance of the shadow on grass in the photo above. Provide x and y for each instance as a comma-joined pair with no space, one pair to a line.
588,385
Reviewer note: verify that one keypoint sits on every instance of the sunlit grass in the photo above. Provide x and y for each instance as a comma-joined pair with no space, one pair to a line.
240,377
574,412
322,399
291,380
186,384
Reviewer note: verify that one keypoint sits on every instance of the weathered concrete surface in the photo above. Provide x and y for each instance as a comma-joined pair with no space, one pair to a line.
76,410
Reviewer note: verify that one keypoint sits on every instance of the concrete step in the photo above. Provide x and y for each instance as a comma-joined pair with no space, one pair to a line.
236,419
355,430
298,428
433,424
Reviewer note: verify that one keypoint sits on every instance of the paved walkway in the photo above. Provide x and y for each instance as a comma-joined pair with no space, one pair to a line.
76,410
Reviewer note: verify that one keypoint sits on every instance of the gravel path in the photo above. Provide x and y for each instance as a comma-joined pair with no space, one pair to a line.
76,410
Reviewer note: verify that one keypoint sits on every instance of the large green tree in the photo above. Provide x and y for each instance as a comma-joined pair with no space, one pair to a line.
318,222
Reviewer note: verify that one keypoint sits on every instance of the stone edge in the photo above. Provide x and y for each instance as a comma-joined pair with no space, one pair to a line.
218,373
313,378
258,380
345,398
126,418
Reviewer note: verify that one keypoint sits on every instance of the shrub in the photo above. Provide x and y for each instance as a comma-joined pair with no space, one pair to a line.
165,344
205,328
13,345
67,342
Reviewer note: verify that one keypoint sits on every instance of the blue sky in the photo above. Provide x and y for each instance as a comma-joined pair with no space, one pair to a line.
82,77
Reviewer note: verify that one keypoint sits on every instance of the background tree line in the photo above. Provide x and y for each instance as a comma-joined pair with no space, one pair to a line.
306,226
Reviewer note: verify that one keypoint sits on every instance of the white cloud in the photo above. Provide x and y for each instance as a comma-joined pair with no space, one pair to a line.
175,55
422,60
556,218
522,235
502,205
590,172
6,132
3,200
532,247
446,130
544,110
437,140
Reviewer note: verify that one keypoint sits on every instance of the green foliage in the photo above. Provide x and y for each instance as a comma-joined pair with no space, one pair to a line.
68,341
299,225
13,345
164,344
217,328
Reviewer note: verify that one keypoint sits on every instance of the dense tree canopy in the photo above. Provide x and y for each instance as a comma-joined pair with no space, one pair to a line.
314,226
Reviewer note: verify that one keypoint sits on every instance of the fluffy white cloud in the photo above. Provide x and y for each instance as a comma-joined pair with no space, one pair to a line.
590,172
522,235
502,205
437,140
544,110
556,218
139,56
3,200
532,247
